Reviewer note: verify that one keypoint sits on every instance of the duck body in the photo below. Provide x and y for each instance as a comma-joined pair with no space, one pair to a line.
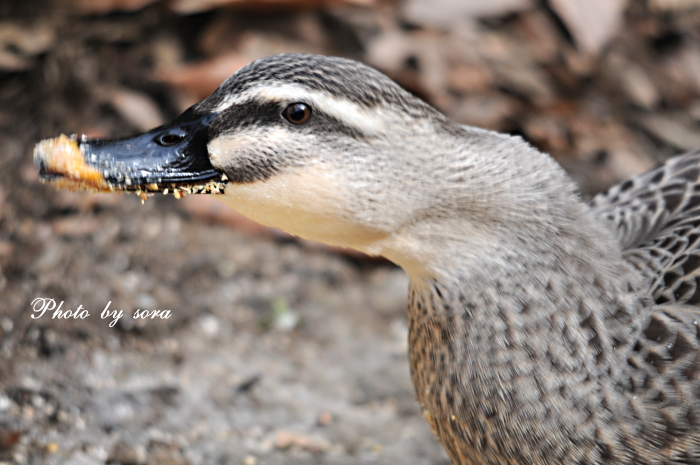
541,330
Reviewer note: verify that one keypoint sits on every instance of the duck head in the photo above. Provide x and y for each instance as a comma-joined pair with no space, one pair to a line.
330,150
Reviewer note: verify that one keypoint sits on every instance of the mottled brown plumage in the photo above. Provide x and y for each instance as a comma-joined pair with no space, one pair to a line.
569,360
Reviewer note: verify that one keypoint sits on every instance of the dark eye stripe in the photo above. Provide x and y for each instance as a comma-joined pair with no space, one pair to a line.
256,114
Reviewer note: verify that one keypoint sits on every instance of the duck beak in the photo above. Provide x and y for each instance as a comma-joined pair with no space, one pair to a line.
171,157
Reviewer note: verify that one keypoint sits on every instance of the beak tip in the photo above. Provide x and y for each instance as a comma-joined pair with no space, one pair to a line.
60,161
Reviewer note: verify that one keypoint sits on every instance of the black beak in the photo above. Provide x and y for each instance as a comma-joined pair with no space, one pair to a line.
172,156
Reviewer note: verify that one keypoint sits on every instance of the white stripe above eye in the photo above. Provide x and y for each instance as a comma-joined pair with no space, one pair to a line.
367,121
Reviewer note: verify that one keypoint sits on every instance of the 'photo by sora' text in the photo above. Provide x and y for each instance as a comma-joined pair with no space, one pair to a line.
47,306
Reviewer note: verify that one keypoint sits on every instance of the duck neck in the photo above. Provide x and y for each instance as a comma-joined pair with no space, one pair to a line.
524,317
504,284
530,288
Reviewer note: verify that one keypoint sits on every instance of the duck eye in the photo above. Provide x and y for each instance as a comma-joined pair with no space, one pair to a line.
167,140
297,113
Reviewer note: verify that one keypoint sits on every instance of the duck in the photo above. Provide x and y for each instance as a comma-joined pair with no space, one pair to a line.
542,329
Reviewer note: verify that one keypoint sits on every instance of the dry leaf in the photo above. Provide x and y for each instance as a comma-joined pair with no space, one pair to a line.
671,131
592,23
202,78
6,249
99,7
690,59
694,110
19,44
137,108
468,78
197,6
634,81
525,78
639,88
446,12
625,163
543,38
673,5
489,111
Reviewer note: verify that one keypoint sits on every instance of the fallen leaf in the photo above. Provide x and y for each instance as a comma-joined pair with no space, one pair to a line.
29,41
525,79
202,78
634,81
10,61
579,62
676,75
592,23
100,7
690,59
389,50
464,77
673,5
137,108
6,249
443,13
197,6
489,111
543,38
671,131
694,110
625,163
639,88
19,44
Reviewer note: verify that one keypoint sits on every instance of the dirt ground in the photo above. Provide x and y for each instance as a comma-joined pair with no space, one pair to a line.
276,351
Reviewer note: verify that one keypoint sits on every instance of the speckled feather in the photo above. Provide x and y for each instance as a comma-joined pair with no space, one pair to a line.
655,217
541,330
627,393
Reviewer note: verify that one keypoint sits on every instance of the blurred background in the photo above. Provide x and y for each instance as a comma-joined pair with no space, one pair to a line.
278,351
